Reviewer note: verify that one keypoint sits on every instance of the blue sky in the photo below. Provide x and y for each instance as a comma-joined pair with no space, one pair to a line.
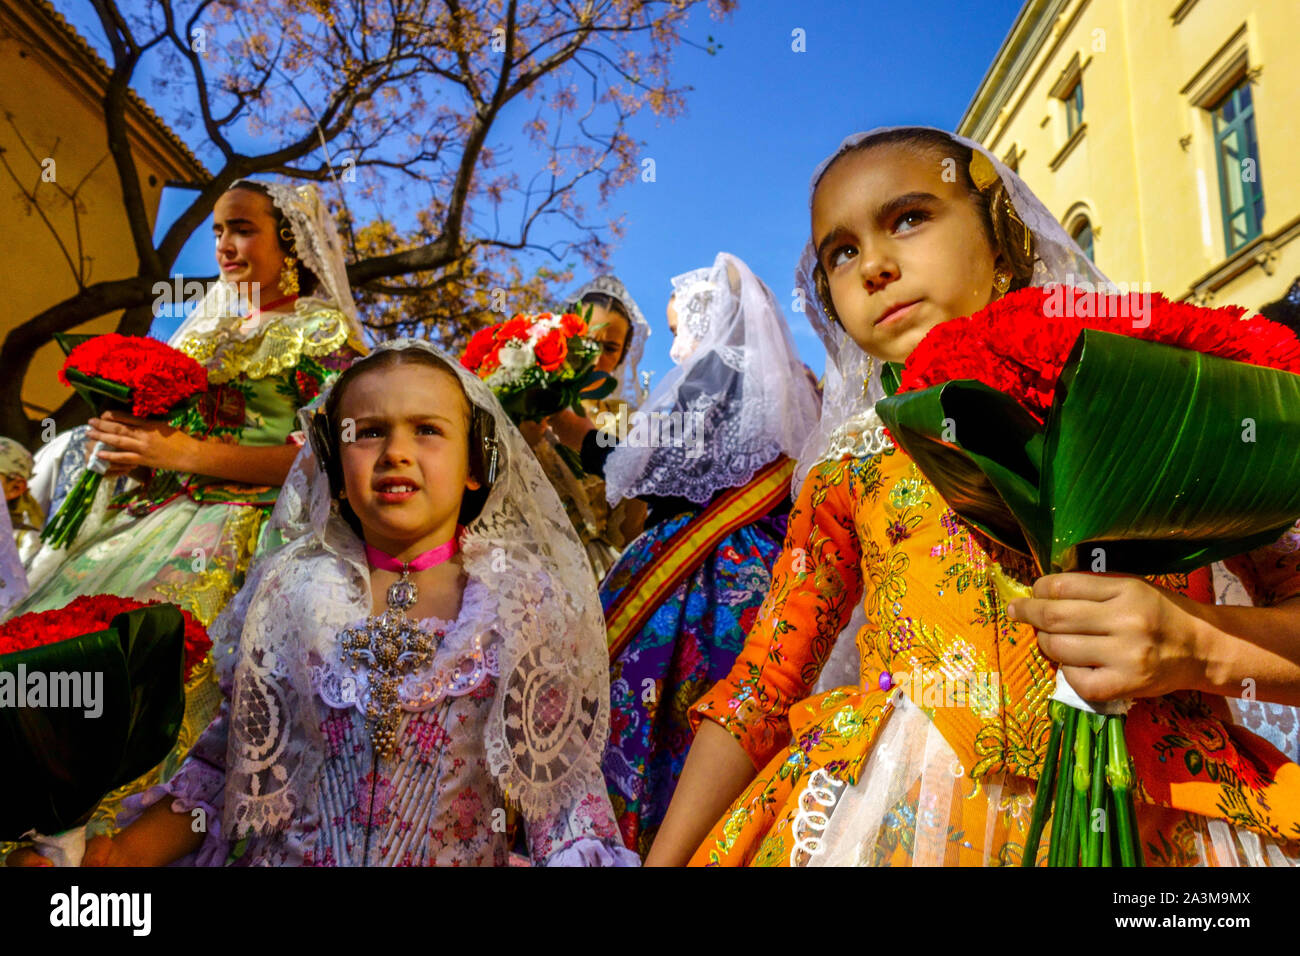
732,173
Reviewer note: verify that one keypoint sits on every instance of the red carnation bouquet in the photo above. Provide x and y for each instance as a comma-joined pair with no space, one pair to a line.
538,365
92,695
148,378
87,614
1111,433
1019,344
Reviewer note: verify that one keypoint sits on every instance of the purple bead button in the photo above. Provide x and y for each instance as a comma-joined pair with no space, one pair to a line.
886,681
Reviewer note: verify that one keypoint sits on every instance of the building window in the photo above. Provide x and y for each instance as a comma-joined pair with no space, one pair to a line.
1081,233
1073,107
1241,190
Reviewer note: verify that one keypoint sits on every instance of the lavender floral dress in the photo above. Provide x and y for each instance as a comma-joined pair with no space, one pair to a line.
432,803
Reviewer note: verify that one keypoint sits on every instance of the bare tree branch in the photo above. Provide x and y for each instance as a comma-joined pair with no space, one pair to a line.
394,105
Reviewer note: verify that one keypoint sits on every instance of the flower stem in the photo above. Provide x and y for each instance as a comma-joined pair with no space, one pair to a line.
1099,822
1082,786
1061,805
1119,774
67,521
1046,783
1108,838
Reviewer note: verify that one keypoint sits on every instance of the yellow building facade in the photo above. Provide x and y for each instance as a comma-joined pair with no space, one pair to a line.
1161,133
52,134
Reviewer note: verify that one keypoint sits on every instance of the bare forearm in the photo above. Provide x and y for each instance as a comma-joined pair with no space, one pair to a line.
160,836
570,428
1251,651
250,464
717,770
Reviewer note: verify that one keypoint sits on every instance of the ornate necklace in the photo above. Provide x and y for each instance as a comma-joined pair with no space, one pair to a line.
392,646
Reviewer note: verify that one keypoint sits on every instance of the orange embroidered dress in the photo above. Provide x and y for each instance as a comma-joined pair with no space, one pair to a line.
933,758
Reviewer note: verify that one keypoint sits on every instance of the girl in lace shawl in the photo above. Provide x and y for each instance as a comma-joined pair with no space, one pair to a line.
710,452
912,227
423,647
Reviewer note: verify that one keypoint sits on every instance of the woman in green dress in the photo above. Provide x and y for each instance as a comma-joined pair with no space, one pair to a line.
190,521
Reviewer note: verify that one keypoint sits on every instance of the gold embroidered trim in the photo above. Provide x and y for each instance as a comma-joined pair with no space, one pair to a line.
279,347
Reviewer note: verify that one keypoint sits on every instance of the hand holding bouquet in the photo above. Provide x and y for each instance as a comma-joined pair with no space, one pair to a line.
141,375
1106,437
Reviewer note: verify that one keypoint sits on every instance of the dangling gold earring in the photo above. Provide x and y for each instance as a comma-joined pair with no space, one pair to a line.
288,268
1002,281
289,276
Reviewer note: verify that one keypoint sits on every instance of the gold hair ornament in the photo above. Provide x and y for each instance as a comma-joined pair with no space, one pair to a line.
984,176
289,276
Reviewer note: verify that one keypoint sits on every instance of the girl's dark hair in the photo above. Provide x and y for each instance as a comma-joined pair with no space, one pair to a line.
1285,310
327,431
611,304
1006,235
308,281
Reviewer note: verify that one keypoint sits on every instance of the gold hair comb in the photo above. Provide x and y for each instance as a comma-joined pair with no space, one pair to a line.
982,173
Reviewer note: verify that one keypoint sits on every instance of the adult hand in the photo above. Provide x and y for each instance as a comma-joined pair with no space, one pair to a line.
570,427
1114,636
136,441
114,471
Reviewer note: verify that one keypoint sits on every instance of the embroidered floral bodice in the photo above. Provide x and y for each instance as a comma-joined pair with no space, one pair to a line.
433,802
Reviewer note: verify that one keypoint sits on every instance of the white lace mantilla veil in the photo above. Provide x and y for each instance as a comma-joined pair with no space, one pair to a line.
543,627
316,244
849,423
630,391
741,397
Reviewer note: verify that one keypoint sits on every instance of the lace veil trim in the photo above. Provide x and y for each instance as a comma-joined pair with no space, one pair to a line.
740,398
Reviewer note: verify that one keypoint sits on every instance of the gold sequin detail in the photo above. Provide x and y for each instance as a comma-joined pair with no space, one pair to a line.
279,347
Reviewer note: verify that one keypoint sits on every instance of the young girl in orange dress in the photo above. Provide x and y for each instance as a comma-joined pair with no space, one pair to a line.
932,758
